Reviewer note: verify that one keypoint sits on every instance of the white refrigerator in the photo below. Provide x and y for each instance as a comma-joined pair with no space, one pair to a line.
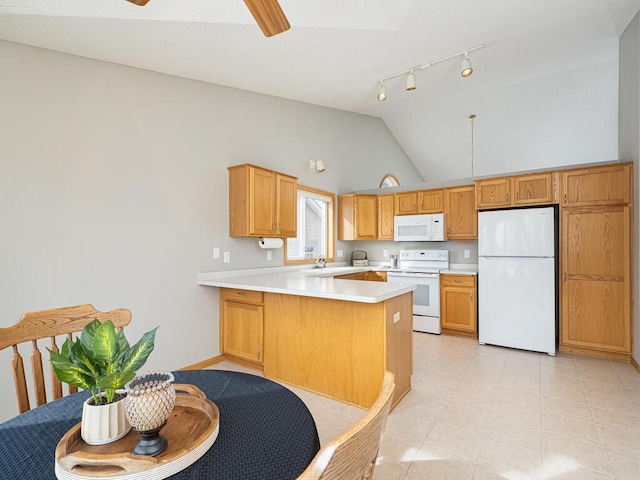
517,279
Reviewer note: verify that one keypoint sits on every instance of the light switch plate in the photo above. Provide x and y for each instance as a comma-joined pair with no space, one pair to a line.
385,253
340,253
216,252
467,254
227,257
269,255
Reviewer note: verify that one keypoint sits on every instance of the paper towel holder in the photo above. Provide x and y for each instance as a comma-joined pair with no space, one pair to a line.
270,242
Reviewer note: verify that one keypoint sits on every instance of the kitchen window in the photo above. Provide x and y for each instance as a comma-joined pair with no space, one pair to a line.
315,227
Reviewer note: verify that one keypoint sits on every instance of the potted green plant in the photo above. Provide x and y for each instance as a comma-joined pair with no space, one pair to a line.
102,361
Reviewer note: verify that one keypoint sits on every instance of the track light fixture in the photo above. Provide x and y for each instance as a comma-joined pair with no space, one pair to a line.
411,81
465,70
382,92
317,165
465,66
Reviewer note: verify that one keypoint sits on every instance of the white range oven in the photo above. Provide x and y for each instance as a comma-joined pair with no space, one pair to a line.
422,268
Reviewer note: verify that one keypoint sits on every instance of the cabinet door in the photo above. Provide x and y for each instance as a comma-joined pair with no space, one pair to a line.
366,213
458,309
533,189
287,198
385,217
406,203
371,276
262,202
243,330
596,279
460,215
430,201
609,185
494,192
350,276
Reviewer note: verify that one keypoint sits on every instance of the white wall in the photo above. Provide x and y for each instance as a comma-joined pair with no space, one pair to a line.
567,118
629,138
113,189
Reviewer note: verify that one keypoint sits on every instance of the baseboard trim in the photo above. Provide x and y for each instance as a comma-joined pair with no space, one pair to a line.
635,364
205,363
586,352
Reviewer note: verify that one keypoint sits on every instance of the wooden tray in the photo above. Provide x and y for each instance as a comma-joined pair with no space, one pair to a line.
190,430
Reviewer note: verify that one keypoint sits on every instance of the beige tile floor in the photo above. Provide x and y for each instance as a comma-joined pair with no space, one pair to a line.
490,413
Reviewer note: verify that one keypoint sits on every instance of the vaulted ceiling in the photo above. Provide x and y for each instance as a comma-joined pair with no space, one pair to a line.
336,50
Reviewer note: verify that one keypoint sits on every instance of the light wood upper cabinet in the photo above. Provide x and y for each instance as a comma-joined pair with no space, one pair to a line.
460,215
385,216
538,188
459,305
406,203
493,192
605,185
357,217
430,201
595,280
262,203
242,324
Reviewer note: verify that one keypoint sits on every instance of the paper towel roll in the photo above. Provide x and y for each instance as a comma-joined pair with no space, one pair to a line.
270,242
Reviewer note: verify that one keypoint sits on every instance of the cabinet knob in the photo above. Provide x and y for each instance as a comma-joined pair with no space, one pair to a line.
242,293
273,226
565,198
507,196
472,297
565,276
258,352
517,196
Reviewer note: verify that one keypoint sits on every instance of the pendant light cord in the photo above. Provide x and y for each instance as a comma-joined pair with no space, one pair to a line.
471,117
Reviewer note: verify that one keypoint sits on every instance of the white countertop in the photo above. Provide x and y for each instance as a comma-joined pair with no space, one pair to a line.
311,283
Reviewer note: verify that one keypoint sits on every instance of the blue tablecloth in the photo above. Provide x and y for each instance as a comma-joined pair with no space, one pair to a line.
266,432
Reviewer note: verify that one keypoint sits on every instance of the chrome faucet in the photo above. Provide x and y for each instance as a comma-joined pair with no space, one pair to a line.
321,262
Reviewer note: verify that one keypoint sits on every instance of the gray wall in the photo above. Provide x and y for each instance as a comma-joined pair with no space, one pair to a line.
113,189
629,138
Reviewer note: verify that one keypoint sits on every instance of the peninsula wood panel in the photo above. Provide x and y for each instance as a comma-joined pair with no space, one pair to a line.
596,281
337,348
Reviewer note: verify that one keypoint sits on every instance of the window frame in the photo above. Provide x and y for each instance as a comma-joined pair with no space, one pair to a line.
330,228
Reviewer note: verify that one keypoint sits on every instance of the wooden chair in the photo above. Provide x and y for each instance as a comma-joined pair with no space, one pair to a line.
48,324
352,456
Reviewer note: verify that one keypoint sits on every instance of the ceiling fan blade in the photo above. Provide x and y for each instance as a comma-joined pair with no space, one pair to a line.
268,15
140,3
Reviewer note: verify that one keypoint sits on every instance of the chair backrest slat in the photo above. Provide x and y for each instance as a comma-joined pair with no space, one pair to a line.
352,456
19,380
56,384
38,375
49,324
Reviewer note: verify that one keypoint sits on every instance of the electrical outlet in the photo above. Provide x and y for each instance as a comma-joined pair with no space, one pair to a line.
216,252
269,255
396,317
227,257
467,254
340,253
385,253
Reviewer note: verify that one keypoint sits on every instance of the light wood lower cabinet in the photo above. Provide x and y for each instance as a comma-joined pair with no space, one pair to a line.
339,348
459,305
351,276
595,282
374,276
242,324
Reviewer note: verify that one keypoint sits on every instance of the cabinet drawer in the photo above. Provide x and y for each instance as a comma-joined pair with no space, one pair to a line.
246,296
458,280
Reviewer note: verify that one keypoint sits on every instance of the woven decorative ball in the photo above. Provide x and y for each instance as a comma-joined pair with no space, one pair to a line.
150,400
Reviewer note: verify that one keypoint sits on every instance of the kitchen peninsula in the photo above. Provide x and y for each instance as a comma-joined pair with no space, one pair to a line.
330,336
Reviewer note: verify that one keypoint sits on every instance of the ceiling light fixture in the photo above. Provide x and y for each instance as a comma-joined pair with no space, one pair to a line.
465,66
466,70
411,81
382,92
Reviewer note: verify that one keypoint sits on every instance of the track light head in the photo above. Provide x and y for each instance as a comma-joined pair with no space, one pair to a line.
411,81
382,92
465,67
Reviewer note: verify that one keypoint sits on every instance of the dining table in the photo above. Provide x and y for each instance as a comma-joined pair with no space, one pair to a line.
266,431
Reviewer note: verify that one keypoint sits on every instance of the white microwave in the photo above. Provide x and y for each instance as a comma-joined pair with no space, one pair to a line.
418,228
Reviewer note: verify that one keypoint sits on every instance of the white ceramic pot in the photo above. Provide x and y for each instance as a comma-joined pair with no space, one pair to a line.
103,423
